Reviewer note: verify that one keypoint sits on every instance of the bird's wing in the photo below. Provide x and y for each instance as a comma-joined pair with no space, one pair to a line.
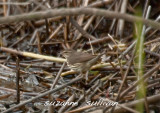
80,58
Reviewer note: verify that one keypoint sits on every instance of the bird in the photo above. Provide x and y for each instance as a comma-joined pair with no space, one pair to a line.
79,61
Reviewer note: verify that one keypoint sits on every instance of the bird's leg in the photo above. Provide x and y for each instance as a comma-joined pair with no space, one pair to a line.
86,77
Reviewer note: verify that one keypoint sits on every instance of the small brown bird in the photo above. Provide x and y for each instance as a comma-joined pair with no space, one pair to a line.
79,61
